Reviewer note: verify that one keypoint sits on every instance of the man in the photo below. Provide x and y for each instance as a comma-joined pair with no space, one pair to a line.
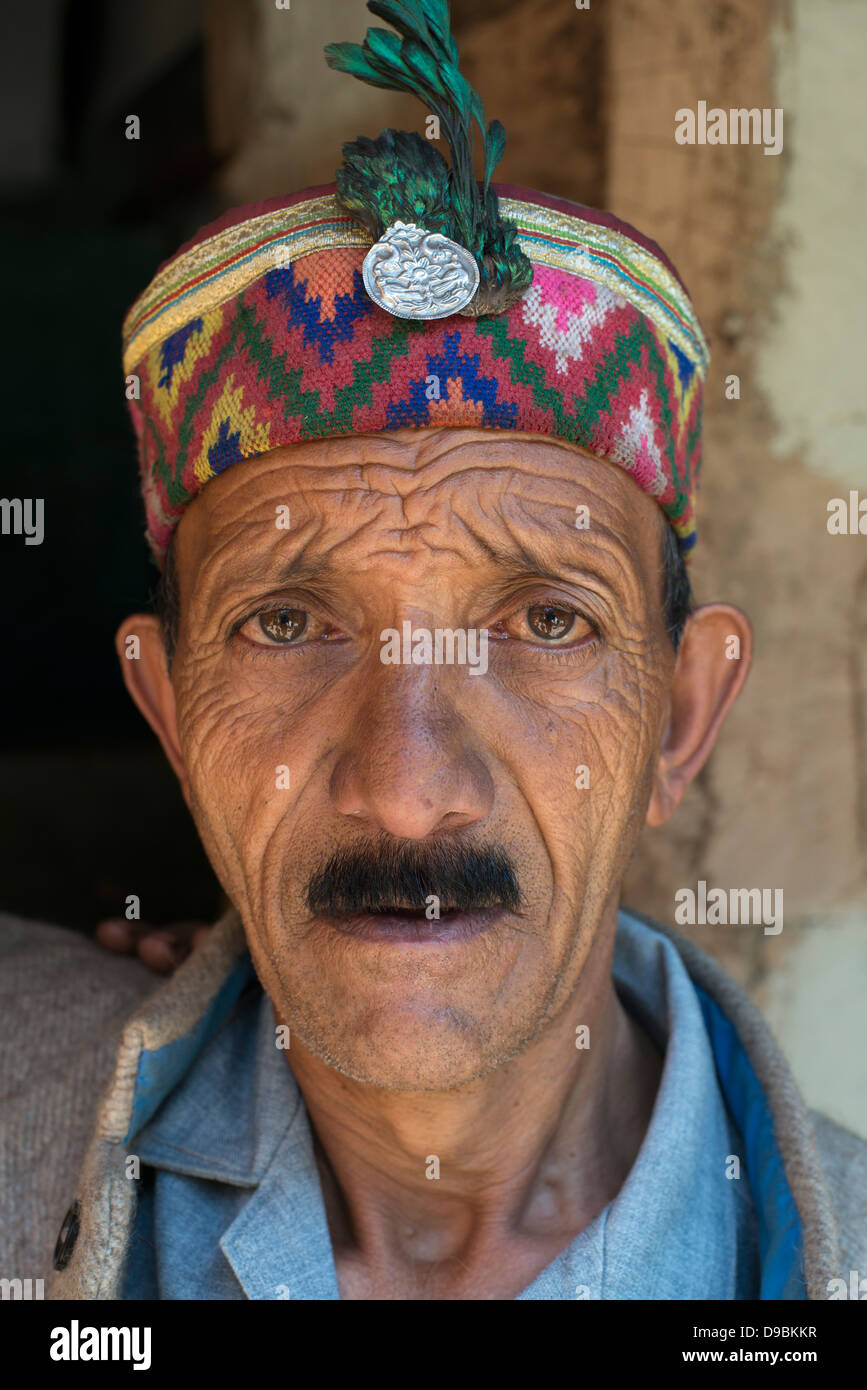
424,667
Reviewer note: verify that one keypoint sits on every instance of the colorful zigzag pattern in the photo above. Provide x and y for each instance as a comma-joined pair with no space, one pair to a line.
302,353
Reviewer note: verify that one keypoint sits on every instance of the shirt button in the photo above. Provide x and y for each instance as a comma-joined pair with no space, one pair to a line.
67,1237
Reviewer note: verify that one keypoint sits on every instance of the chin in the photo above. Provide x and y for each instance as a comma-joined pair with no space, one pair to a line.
409,1049
421,1047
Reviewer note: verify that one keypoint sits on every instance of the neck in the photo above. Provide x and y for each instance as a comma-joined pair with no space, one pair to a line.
524,1157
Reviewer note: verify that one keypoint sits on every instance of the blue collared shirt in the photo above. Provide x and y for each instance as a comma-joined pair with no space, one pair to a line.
230,1204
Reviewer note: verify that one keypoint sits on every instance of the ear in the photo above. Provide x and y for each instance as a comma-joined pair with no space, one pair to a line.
139,645
712,664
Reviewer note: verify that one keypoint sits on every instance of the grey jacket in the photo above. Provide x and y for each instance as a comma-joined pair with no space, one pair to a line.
76,1022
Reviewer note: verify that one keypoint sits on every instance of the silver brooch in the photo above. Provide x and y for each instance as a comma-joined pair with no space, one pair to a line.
419,275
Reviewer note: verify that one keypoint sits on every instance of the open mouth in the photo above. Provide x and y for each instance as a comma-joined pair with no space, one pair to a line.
412,924
415,912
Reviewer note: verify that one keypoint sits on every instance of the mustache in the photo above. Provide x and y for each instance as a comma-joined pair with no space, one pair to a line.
376,877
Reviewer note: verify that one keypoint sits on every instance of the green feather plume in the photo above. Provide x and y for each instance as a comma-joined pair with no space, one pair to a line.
401,176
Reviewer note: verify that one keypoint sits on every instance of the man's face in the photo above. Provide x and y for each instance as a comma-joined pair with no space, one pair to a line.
300,742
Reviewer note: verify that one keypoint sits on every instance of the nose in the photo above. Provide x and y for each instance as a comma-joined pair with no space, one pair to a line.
409,766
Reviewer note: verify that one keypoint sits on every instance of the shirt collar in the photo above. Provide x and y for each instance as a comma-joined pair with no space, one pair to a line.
227,1116
238,1118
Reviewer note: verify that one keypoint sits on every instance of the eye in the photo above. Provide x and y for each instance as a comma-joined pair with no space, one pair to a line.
283,626
547,623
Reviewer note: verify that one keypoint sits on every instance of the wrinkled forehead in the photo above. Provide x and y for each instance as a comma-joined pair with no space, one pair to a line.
481,496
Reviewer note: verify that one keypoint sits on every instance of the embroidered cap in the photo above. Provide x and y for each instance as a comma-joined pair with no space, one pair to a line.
392,300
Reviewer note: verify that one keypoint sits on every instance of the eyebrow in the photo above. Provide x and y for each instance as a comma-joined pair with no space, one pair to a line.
520,560
306,569
303,569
